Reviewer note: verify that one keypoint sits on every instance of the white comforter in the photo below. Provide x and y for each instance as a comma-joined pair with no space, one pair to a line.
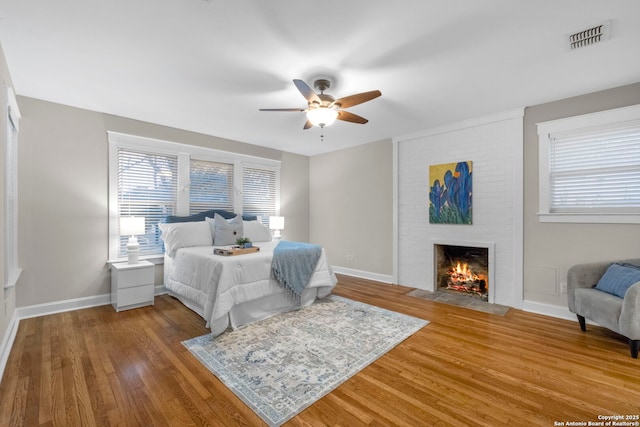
217,283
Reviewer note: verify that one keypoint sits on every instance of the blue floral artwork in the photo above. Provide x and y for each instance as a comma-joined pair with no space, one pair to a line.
450,193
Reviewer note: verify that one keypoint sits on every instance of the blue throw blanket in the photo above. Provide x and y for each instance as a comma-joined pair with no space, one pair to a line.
293,264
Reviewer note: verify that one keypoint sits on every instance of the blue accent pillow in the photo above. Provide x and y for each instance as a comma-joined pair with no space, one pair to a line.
211,214
617,279
627,264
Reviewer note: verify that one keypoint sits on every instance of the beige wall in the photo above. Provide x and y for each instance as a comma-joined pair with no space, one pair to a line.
342,200
351,204
63,195
550,249
8,302
294,202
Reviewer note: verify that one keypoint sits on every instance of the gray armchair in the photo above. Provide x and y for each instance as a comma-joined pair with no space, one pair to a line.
621,315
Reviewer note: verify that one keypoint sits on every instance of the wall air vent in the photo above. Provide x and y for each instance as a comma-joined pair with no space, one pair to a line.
589,36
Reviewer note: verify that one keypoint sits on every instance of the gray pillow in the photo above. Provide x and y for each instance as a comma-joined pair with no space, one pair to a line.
226,232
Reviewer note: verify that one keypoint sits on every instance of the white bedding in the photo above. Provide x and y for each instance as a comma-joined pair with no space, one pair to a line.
233,290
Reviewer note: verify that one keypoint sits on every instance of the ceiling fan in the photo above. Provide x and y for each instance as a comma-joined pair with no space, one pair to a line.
323,109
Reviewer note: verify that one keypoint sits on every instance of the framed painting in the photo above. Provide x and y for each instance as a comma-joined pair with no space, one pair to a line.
450,195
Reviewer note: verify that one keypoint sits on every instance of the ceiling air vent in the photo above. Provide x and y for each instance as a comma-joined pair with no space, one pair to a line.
589,36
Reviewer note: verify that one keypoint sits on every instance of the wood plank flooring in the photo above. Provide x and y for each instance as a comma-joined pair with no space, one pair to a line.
96,367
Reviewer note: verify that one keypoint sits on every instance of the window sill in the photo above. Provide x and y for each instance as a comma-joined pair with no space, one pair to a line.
586,218
154,259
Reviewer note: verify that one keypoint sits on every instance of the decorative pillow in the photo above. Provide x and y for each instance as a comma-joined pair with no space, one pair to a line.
256,231
627,264
200,216
617,279
226,232
185,234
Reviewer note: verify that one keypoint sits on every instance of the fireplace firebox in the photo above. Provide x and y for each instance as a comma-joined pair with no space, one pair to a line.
462,270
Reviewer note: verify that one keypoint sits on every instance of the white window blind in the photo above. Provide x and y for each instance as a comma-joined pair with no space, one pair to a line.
589,168
147,186
210,186
259,192
155,179
596,170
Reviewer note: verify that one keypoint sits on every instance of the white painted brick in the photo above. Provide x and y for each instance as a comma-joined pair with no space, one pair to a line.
490,146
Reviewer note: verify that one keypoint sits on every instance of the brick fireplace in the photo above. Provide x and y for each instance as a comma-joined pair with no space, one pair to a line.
494,144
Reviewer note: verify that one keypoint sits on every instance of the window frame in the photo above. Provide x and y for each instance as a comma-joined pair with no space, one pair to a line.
276,170
11,254
185,153
566,126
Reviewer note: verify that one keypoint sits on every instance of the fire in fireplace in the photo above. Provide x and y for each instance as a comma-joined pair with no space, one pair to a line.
461,278
463,269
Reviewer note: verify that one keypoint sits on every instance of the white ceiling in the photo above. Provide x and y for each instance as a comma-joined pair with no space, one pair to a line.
209,65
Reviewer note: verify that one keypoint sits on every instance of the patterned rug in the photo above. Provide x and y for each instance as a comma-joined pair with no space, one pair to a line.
283,364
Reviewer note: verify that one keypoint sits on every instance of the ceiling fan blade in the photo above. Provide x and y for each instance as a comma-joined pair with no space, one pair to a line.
308,125
350,117
307,92
359,98
282,109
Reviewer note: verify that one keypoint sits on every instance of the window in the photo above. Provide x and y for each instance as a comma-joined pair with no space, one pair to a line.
12,270
154,178
259,196
147,187
590,168
210,186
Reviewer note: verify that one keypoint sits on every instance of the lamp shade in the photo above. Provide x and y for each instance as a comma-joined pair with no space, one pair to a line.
276,222
131,225
322,116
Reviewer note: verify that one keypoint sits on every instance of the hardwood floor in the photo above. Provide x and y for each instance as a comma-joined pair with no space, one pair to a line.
98,367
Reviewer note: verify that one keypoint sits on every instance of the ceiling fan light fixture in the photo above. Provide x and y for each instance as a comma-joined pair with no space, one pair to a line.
323,109
322,116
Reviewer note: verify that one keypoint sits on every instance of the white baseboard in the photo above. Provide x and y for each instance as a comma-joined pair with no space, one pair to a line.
62,306
71,304
384,278
7,342
548,310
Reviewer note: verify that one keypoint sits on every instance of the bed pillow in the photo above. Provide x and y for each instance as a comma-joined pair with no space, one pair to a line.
226,231
256,231
200,216
185,234
617,279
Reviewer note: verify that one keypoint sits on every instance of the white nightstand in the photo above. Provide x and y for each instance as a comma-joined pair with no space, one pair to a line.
131,285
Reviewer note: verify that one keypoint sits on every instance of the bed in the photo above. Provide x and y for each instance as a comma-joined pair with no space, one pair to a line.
231,291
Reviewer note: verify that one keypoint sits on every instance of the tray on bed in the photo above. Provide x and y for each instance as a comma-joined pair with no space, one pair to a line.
235,251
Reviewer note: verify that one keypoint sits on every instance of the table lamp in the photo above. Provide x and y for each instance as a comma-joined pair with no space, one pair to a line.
132,226
276,223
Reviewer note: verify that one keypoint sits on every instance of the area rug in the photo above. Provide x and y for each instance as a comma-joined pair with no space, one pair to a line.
281,365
